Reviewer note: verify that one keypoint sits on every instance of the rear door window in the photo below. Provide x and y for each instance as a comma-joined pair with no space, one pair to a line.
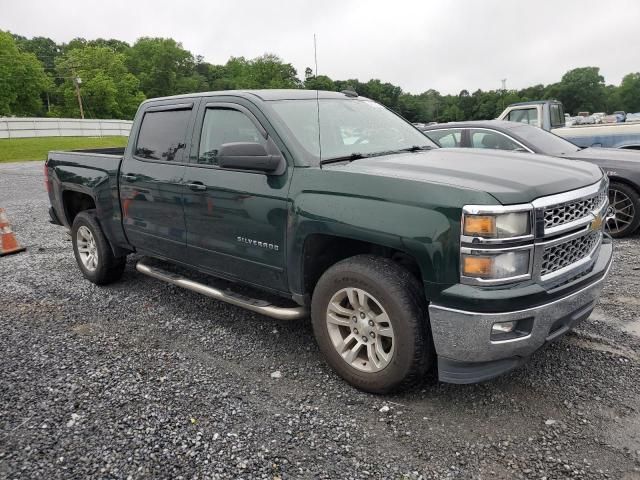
446,138
492,140
162,135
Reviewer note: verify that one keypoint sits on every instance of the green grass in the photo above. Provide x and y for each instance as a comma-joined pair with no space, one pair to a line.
21,149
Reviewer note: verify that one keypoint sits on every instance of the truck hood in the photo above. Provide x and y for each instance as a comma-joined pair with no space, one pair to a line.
511,178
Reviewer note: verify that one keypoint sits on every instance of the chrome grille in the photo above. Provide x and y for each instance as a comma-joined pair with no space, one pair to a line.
556,257
557,215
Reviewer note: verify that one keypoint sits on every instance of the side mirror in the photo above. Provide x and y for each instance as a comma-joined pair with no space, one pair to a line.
249,156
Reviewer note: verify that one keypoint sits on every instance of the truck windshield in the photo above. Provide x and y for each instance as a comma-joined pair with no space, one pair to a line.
545,142
348,127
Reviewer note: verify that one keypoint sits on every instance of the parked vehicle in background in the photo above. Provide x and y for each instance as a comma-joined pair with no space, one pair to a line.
549,115
407,256
568,120
632,117
611,119
622,116
622,167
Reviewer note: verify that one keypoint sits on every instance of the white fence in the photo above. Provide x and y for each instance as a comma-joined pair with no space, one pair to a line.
62,127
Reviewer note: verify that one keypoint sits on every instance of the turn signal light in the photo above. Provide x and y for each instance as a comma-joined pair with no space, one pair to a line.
482,225
477,266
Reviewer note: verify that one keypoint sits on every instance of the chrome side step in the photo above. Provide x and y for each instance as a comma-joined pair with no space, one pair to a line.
253,304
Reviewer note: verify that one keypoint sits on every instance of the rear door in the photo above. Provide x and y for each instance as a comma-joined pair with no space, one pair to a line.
151,192
236,220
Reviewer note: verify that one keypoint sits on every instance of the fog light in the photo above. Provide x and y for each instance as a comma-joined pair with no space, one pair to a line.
503,327
512,330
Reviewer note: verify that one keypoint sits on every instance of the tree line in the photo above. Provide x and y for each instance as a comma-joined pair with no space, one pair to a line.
39,77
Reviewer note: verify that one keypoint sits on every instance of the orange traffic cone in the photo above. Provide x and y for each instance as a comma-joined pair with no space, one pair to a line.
8,242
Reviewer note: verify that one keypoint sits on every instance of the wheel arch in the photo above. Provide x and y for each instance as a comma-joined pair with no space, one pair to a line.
74,202
320,251
625,181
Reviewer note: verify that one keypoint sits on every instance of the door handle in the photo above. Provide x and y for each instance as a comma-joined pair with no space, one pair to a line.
129,178
198,186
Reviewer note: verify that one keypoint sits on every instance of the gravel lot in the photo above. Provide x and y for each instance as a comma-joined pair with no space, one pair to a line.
141,380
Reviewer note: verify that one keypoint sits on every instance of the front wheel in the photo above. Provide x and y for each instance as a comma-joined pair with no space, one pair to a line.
624,203
369,318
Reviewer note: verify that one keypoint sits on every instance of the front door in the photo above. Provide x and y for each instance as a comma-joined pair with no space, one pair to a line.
151,187
236,220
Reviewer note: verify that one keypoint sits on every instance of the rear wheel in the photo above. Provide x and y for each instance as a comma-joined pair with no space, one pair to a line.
369,318
92,251
624,203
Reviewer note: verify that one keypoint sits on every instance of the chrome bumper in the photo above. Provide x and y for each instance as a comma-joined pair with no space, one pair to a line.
465,336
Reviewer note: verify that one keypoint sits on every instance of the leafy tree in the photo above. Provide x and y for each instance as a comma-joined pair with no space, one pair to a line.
22,79
108,90
321,82
45,50
116,45
582,89
629,93
536,92
269,71
163,67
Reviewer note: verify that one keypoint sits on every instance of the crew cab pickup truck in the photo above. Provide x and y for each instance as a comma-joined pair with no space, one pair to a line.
549,115
406,256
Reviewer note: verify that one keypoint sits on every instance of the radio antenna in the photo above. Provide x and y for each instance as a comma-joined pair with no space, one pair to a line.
315,57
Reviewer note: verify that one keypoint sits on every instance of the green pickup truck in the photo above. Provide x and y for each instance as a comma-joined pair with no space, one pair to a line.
295,203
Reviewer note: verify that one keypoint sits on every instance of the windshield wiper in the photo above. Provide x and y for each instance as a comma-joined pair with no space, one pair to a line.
358,156
415,148
346,158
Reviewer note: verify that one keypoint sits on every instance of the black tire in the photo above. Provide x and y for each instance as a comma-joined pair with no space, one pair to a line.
399,293
109,268
618,230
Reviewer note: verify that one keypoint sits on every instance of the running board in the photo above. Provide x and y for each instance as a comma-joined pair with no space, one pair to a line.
253,304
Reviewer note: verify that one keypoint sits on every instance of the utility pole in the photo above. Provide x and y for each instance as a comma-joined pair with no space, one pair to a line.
77,81
504,89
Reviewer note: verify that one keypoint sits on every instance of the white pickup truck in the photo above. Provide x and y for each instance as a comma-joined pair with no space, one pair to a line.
549,115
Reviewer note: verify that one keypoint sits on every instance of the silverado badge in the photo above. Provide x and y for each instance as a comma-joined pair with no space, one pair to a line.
256,243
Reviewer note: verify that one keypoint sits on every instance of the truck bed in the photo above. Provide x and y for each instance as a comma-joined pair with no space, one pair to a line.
89,175
612,135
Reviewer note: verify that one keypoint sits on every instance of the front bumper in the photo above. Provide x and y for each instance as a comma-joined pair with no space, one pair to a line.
462,339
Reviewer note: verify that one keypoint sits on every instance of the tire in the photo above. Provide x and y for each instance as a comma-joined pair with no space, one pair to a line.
624,205
88,239
389,289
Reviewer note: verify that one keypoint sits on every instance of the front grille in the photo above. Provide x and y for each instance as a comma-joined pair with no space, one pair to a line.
565,254
562,214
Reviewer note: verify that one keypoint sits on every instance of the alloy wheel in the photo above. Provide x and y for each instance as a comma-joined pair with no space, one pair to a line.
87,248
360,330
621,211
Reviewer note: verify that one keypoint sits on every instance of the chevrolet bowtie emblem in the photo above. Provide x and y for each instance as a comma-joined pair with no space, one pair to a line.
596,223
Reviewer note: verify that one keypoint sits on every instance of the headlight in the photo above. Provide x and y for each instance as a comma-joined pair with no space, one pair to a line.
497,225
493,267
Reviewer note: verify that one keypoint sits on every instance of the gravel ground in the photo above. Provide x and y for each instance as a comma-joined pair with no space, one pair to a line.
141,379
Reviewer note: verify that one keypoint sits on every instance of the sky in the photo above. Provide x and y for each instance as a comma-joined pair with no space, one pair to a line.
447,45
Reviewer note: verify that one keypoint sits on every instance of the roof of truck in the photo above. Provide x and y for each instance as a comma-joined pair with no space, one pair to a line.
534,102
265,94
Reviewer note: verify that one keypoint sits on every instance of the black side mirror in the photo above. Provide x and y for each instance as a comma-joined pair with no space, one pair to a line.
249,156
